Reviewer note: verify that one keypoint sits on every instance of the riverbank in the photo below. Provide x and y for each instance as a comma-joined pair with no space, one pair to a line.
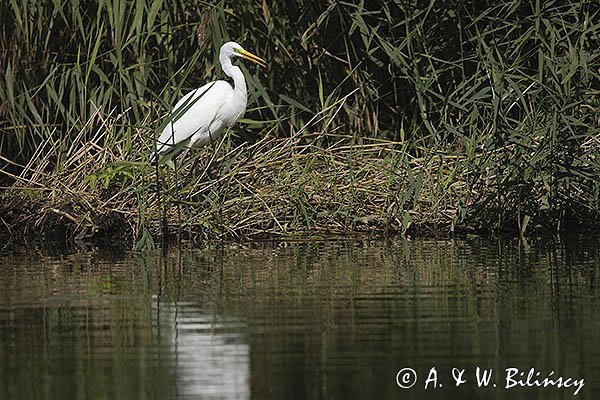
418,119
308,184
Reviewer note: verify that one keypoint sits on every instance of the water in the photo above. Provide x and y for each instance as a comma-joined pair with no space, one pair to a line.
331,320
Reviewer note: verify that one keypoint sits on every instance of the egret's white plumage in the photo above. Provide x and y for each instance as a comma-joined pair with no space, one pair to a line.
203,114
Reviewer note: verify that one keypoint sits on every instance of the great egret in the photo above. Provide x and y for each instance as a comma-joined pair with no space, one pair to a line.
203,114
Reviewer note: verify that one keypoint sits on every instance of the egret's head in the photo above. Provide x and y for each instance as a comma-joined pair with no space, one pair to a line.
232,49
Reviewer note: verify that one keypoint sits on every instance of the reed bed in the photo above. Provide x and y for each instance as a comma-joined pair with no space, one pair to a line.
388,117
275,187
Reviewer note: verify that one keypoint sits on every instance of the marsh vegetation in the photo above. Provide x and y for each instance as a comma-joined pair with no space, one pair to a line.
396,117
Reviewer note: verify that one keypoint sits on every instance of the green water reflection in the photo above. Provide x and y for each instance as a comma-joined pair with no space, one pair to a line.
299,320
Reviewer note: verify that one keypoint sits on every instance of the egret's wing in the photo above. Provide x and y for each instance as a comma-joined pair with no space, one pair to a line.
193,113
188,99
171,135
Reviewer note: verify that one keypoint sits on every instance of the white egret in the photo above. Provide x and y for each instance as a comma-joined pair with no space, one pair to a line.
202,115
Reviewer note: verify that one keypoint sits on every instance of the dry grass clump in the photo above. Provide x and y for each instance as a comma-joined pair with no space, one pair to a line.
306,184
55,194
290,186
99,188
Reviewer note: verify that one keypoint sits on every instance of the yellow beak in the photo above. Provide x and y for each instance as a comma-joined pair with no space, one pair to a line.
251,57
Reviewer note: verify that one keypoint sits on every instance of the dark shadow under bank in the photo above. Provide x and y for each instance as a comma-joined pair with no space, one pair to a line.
36,225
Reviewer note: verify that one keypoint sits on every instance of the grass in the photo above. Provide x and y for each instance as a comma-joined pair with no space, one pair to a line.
410,117
278,187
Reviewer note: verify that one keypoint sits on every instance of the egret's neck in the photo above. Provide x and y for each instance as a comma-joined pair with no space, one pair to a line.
236,74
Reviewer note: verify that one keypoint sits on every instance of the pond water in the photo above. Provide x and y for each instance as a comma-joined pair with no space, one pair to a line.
319,320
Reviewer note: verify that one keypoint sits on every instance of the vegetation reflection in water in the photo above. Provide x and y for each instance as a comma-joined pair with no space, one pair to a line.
313,320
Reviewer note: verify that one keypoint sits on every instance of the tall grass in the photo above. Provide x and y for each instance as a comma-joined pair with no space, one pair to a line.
499,99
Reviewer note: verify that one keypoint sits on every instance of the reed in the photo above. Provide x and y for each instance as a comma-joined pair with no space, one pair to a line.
274,187
396,117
